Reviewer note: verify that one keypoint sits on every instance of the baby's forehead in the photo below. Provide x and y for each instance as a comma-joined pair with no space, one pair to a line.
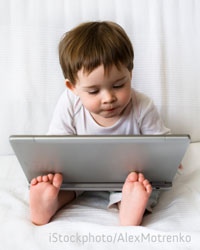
102,71
99,75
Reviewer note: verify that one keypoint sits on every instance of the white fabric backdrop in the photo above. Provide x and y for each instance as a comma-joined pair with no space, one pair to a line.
165,36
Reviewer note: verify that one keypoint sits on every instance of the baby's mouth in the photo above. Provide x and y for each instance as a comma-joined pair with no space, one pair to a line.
110,110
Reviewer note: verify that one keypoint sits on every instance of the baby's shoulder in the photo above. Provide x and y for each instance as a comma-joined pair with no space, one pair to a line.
140,100
72,101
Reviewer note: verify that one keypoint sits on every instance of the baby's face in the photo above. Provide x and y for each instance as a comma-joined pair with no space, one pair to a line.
104,96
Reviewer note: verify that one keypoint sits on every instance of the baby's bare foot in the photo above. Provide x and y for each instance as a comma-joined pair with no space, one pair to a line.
44,197
135,195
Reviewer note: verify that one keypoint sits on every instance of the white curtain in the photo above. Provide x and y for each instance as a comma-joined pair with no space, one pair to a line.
165,36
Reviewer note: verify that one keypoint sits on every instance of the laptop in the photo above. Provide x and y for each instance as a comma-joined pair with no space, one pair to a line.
99,162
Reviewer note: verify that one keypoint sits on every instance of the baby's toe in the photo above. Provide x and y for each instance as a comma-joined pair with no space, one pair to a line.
132,177
34,181
57,180
45,178
145,182
50,176
39,178
149,188
140,177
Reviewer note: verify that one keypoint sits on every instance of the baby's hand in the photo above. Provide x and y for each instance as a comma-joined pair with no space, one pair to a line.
181,166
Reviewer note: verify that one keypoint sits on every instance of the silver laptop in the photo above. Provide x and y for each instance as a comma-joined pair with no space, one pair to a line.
101,162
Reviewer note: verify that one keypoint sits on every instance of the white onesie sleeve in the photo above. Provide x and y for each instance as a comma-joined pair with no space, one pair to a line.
149,120
63,116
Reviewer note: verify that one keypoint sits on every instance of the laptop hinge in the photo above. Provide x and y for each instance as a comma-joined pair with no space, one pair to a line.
161,184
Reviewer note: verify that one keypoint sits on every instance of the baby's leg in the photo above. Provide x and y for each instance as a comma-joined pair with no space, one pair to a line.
135,195
45,198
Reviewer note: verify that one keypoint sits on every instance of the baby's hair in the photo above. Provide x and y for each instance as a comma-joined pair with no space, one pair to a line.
92,44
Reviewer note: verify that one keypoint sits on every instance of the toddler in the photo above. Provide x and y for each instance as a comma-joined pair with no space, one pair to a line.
97,63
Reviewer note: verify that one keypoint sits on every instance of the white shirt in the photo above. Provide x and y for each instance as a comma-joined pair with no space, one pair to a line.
139,117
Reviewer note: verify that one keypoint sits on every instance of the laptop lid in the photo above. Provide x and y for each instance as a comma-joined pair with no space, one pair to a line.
101,162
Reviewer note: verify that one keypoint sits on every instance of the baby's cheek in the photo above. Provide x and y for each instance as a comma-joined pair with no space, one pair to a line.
125,97
91,104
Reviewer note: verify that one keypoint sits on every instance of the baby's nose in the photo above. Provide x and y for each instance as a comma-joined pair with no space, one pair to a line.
109,97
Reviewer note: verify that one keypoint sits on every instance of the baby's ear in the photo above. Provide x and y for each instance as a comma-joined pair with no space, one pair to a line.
70,86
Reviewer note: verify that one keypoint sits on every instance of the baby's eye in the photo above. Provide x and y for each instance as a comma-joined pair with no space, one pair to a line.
93,92
118,86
